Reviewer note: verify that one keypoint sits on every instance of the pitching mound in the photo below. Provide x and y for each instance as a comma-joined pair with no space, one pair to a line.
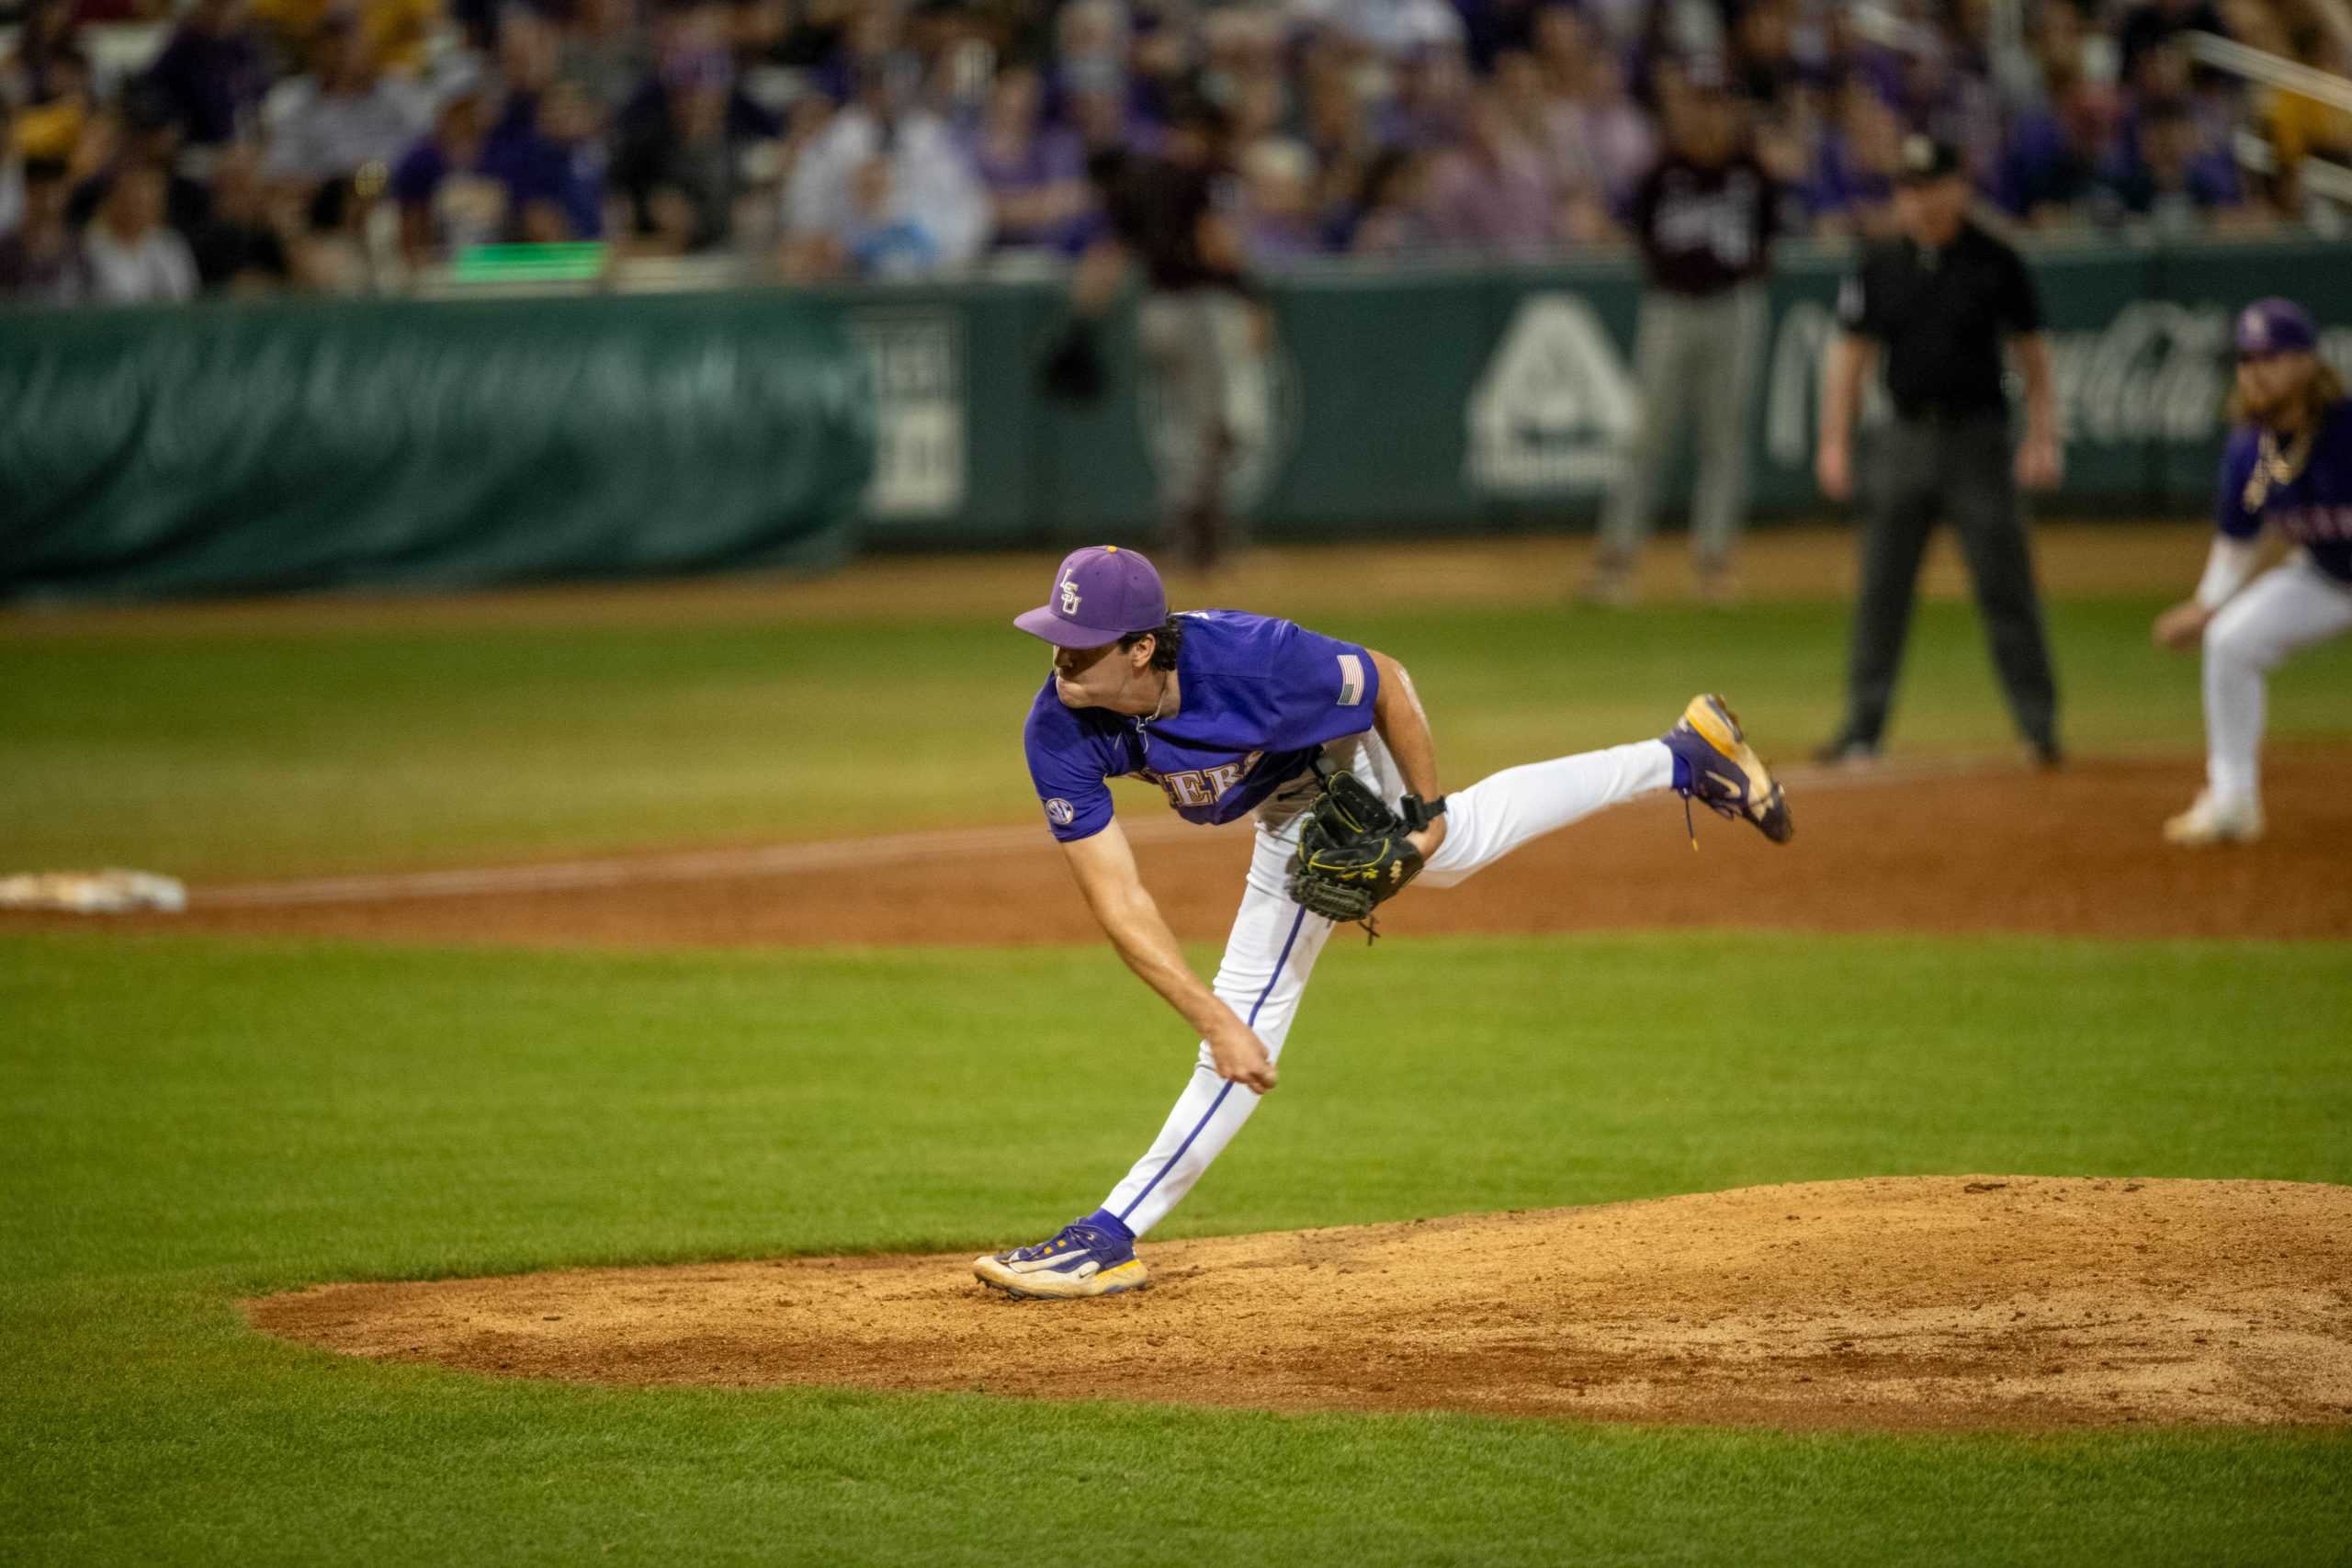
1922,1302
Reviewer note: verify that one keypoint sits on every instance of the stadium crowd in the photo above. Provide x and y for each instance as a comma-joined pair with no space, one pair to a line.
342,145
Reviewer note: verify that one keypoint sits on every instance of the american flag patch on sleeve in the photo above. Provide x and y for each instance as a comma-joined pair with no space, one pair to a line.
1351,680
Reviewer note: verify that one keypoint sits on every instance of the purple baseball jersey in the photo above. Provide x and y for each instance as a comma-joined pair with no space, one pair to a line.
2314,508
1258,697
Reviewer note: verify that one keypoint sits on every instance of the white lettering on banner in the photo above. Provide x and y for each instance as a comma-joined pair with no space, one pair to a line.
916,361
1556,405
2159,372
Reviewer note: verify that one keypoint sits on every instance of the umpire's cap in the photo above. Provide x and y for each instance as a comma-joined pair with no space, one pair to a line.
1926,158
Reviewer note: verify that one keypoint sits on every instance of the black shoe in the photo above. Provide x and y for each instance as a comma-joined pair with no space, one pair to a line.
2048,755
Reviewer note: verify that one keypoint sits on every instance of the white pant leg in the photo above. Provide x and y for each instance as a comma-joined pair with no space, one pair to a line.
2289,607
1267,959
1274,943
1499,813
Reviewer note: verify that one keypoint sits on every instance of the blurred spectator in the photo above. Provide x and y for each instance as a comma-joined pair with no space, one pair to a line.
1035,173
1339,136
45,67
393,33
554,167
40,260
1488,192
1279,227
1392,28
1390,217
879,239
1433,102
240,245
341,115
1551,128
448,194
681,171
2300,127
211,74
1766,66
336,254
2154,22
135,259
1617,131
2052,171
931,184
1517,127
1851,186
2169,178
49,82
142,132
603,52
12,172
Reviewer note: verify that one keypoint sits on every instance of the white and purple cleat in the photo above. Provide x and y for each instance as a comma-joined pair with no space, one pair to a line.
1715,766
1090,1256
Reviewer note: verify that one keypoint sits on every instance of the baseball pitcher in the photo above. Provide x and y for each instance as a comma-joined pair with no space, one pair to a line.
1326,742
2289,465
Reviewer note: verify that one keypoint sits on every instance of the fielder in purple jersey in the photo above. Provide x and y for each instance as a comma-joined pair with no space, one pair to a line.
2288,468
1233,715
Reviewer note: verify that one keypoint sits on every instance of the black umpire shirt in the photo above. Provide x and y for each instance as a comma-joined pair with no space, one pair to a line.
1942,315
1704,227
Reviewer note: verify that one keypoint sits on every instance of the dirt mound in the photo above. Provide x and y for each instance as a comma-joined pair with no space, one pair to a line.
1913,1301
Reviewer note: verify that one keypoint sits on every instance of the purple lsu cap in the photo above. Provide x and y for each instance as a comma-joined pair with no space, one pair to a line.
2274,326
1101,593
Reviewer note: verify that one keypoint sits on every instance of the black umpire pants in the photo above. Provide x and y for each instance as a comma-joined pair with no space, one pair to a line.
1956,468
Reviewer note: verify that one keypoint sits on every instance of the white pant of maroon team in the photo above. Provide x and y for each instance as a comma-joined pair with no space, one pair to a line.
1274,942
2289,608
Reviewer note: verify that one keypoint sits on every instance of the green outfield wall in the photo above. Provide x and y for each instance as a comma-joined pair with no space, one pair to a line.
242,447
1418,402
233,447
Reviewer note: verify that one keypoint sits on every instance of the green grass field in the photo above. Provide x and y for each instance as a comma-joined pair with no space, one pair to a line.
186,1121
246,1117
282,753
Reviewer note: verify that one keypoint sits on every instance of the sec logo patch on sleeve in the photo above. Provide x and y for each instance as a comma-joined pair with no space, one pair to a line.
1059,812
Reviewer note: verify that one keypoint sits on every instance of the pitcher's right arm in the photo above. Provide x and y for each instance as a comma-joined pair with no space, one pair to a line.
1104,865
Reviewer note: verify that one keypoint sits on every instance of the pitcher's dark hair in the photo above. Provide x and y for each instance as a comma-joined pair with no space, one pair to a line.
1168,639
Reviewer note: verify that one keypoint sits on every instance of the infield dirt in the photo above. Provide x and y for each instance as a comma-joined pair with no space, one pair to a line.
1935,1301
1942,847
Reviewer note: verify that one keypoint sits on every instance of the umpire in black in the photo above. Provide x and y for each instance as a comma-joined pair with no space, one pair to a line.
1939,302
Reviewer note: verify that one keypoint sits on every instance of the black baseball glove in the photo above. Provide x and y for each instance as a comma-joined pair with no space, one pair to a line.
1353,853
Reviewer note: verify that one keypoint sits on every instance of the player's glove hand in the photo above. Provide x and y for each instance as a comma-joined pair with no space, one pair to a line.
1353,854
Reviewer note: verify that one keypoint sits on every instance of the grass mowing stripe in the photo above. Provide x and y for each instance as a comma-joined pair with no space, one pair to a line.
220,756
189,1120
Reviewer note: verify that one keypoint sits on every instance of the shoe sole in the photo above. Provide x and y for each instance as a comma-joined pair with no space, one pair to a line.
1118,1282
2214,840
1719,728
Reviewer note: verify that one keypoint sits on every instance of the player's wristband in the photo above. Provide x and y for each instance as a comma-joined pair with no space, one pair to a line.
1418,813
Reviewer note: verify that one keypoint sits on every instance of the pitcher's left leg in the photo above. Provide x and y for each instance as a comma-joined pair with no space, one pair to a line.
1706,756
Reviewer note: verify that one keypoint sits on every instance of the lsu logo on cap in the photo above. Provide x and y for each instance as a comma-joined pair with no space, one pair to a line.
2254,329
1069,595
1060,813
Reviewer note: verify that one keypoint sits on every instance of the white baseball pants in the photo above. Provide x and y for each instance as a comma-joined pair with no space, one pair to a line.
1274,942
2288,608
